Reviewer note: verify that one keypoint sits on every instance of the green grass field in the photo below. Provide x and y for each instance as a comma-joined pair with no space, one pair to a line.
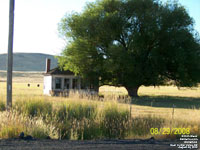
154,107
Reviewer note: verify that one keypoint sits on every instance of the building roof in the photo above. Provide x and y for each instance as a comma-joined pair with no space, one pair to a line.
58,71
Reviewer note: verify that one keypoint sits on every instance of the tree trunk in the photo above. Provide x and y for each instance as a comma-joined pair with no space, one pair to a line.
132,91
96,89
96,86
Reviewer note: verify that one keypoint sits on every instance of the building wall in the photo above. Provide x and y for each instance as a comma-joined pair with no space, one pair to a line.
47,85
70,77
50,85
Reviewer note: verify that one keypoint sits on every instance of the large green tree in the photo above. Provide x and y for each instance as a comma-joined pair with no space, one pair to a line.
132,43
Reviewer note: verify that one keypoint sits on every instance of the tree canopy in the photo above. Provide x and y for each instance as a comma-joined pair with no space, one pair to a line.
132,43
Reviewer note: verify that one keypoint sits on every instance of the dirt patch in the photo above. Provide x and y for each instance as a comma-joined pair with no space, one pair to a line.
13,144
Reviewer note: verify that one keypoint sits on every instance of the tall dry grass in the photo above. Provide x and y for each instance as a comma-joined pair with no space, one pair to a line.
67,120
84,116
83,119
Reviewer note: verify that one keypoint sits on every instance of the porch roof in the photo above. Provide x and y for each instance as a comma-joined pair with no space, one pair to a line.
58,71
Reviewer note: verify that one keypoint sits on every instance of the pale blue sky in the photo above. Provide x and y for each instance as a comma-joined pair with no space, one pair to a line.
36,23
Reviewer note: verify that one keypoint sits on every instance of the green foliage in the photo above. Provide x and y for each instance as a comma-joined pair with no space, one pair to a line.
61,113
76,111
10,131
10,124
2,106
34,108
80,111
141,125
91,131
39,133
71,120
132,43
61,123
115,122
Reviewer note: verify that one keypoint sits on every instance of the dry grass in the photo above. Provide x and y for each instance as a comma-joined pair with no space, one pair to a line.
181,117
23,77
154,91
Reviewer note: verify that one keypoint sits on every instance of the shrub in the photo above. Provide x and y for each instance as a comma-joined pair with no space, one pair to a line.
69,119
34,108
11,124
39,133
60,122
80,111
2,106
91,131
61,113
115,122
141,125
11,131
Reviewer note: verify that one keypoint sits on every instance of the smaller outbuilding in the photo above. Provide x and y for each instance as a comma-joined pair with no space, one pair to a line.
58,81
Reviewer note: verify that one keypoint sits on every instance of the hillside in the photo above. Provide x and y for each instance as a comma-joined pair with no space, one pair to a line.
28,61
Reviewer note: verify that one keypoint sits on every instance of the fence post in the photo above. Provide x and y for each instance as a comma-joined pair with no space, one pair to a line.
173,112
130,111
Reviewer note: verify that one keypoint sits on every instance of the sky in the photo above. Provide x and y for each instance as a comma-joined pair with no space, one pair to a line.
36,23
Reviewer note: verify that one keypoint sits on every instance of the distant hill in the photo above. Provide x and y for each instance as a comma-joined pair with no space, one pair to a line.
28,61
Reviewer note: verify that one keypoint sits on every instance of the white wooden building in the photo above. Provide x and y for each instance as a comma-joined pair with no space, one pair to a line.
58,82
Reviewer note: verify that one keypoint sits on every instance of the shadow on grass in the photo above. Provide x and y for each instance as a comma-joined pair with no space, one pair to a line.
168,101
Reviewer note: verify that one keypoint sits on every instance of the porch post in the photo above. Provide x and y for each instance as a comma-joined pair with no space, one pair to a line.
62,83
79,83
70,83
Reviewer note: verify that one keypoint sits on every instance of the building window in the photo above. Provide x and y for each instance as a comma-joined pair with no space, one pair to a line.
66,83
75,84
58,83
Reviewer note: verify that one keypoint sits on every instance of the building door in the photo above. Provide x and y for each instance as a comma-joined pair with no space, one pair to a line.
66,83
75,84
